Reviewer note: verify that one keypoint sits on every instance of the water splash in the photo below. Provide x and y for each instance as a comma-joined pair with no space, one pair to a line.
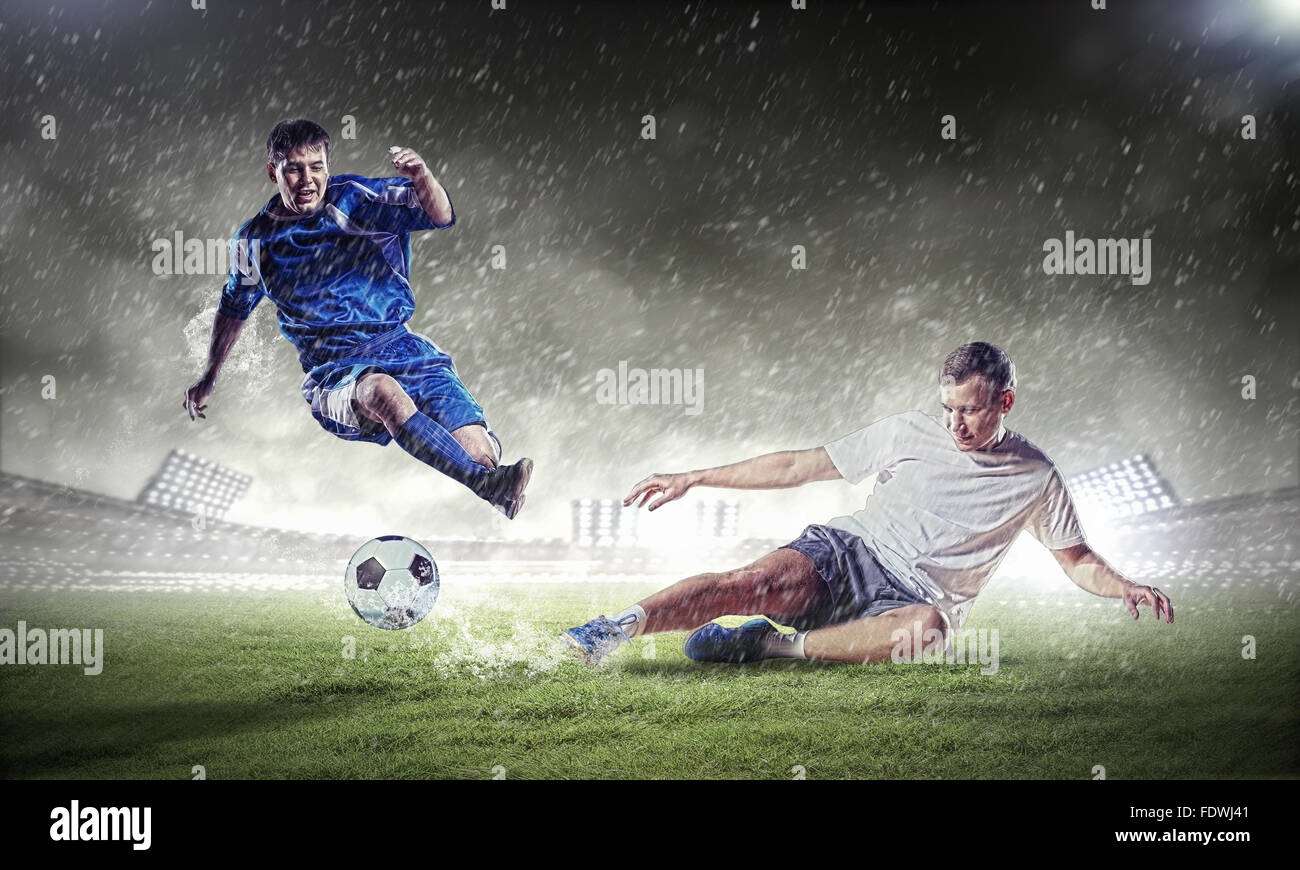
461,649
250,357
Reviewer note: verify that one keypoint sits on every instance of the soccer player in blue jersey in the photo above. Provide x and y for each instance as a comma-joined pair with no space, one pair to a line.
333,253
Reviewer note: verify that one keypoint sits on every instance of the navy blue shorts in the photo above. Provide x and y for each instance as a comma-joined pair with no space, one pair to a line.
858,585
422,369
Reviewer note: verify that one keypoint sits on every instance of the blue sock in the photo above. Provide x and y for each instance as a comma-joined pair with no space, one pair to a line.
433,445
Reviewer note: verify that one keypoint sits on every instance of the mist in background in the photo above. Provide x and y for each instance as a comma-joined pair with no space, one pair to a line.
775,128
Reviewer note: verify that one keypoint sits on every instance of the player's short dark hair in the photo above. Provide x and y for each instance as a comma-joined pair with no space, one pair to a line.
295,133
988,361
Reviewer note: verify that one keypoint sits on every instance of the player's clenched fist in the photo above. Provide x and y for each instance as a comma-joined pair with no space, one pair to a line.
407,162
668,487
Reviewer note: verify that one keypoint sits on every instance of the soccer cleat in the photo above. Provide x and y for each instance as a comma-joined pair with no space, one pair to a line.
595,640
505,486
734,639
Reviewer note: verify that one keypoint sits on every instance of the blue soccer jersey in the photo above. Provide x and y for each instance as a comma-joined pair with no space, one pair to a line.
339,277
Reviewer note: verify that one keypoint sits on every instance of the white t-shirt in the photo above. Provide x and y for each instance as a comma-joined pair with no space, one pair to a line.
940,520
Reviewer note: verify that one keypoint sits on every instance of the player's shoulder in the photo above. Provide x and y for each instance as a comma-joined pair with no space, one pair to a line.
1020,446
916,418
906,427
363,184
896,424
340,187
347,191
920,421
905,419
259,225
346,180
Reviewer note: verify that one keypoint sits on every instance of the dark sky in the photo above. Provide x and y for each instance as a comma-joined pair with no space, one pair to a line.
775,128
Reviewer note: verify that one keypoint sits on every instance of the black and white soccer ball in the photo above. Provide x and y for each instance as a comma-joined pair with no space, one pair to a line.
391,582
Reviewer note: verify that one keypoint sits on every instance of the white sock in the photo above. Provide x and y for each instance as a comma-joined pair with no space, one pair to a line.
784,646
631,620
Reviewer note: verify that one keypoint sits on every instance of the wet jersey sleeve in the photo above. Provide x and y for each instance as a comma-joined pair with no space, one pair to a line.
388,205
244,287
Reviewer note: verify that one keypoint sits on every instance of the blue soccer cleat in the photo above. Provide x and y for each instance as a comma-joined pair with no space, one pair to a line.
734,639
595,640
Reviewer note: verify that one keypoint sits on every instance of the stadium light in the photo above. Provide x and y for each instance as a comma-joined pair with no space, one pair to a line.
603,523
187,483
717,519
1122,489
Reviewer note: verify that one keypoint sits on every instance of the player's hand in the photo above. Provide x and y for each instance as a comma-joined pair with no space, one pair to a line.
195,396
668,487
1150,596
407,162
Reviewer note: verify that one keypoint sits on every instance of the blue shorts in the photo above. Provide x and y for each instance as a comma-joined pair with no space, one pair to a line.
422,369
858,585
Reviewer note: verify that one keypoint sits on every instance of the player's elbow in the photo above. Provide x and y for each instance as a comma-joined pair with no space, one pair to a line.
816,465
1071,557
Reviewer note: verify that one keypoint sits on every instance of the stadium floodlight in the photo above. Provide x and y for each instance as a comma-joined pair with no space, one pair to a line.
603,523
717,519
1122,489
187,483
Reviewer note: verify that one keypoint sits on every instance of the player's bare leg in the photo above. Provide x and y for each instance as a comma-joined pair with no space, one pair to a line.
467,455
380,398
784,584
477,443
873,638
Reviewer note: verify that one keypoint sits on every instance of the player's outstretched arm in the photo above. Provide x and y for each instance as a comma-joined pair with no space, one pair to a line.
224,332
433,198
1091,572
782,470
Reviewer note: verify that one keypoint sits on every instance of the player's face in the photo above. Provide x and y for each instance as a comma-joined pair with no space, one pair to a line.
972,413
302,178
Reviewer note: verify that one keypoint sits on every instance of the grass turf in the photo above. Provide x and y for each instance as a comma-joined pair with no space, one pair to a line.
258,685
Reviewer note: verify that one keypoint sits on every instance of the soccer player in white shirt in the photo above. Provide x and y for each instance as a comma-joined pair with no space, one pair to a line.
952,494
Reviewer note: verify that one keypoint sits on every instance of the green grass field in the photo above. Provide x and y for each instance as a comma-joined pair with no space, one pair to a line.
257,685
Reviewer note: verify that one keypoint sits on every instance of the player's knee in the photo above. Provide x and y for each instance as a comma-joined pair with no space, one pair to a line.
931,618
369,390
380,395
932,626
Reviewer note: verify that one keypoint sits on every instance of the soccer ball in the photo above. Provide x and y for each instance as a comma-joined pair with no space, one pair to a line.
391,582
